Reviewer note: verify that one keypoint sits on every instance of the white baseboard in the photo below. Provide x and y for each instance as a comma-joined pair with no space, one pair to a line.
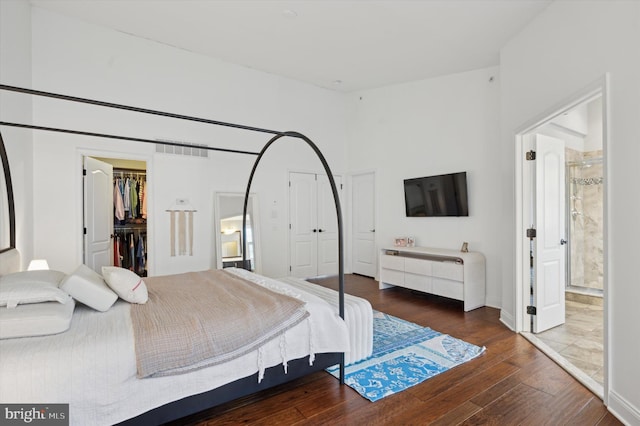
623,410
507,319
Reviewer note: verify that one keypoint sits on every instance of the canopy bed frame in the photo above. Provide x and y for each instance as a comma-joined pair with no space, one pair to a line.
248,385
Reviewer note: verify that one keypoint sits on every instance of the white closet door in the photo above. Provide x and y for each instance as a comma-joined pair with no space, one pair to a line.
313,243
98,214
327,227
303,246
364,224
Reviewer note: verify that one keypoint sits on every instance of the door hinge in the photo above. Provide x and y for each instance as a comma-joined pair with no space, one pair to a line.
290,269
531,155
289,184
340,186
84,172
531,233
531,310
84,230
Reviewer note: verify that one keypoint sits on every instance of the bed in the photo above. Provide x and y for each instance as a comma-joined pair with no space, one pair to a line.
92,365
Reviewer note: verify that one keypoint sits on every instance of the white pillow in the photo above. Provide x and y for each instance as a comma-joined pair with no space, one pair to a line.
31,287
87,286
127,284
36,319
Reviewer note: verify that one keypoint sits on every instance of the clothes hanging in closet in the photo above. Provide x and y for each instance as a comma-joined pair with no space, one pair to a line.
129,198
129,248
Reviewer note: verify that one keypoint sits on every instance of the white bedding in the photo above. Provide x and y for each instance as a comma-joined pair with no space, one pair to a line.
92,366
358,315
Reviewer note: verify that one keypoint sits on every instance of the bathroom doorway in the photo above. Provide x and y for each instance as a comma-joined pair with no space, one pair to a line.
573,283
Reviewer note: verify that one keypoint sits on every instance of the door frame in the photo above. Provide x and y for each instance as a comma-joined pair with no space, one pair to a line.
523,186
88,152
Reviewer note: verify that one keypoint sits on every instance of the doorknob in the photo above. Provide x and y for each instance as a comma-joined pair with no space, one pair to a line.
372,230
314,230
320,230
563,242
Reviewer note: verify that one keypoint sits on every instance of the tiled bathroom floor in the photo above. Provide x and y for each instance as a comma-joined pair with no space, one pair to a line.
580,339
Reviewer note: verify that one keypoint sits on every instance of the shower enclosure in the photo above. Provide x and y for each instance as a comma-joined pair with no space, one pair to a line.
585,257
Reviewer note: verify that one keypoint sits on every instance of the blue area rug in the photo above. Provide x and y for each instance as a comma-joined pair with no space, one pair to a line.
404,354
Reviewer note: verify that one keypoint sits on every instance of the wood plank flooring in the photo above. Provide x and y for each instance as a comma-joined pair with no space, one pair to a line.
513,383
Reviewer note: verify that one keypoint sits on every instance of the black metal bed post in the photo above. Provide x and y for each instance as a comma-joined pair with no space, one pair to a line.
12,208
336,199
132,108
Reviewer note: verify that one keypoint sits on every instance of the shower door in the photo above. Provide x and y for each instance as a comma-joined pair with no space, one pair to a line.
585,223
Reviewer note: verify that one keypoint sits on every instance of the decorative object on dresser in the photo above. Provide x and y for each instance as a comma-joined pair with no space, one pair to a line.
449,273
400,242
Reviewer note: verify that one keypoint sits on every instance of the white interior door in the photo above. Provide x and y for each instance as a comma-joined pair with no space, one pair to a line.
313,243
327,226
363,224
303,231
550,244
98,214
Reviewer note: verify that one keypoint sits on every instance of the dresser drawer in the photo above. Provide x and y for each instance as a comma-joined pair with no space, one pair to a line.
448,270
448,288
392,262
417,266
391,276
418,282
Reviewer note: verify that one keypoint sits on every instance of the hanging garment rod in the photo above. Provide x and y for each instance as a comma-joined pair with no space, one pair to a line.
121,229
129,171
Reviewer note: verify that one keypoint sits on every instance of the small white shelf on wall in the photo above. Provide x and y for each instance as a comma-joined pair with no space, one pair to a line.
449,273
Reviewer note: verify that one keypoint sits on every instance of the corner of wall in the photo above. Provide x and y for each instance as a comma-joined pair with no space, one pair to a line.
506,318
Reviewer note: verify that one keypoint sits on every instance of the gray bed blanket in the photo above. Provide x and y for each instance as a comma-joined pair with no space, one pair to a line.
199,319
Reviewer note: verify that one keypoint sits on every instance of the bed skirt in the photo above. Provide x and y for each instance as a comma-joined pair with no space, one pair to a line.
243,387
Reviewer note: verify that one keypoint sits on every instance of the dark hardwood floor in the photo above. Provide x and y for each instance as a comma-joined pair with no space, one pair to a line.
512,383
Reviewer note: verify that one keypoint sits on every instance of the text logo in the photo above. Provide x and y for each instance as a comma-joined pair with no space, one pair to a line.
34,414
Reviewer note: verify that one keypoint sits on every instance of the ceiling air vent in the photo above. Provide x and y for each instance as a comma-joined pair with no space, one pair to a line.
193,150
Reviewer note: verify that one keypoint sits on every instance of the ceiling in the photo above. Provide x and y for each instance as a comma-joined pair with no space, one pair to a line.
342,45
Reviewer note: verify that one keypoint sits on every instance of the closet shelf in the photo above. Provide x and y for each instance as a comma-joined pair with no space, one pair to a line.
130,226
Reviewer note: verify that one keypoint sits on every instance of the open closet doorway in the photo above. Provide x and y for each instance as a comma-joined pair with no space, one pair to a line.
563,209
115,214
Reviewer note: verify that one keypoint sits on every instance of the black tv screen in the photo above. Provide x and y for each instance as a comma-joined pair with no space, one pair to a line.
441,195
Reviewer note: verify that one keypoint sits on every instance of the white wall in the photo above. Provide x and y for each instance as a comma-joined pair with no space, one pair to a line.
565,49
15,70
80,59
435,126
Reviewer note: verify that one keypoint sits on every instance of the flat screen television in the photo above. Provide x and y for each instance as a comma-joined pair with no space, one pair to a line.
441,195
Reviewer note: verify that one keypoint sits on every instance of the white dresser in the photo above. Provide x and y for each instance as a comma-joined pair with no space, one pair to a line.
447,273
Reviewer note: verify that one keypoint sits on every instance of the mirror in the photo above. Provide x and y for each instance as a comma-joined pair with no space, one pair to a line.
7,213
228,231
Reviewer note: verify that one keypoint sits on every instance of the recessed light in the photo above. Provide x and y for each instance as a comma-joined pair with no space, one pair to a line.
288,13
